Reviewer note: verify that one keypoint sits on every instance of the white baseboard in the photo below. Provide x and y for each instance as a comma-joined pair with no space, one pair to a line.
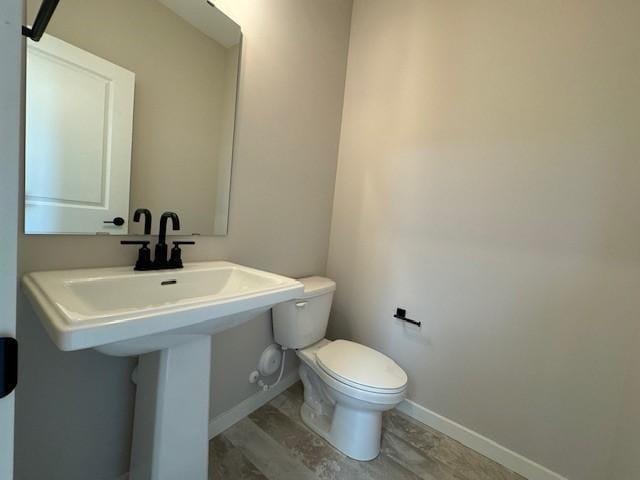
244,408
483,445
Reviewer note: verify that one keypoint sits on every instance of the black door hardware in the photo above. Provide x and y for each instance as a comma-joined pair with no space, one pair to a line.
118,221
8,365
147,219
401,313
42,20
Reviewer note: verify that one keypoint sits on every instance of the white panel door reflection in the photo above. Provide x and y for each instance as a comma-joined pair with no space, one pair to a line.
79,125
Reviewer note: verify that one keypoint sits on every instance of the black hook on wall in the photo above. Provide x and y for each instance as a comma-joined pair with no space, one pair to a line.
42,20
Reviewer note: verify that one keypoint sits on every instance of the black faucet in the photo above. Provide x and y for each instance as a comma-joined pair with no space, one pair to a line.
144,254
147,219
161,247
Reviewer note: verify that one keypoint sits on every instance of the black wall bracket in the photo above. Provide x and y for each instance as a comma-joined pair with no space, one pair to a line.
401,313
42,20
8,365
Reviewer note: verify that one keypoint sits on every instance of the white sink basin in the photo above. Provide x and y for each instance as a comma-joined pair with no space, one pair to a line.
122,312
167,318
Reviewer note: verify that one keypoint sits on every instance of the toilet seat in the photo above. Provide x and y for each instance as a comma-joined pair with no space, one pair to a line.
361,367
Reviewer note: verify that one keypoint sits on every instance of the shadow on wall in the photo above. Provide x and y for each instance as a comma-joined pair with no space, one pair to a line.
75,409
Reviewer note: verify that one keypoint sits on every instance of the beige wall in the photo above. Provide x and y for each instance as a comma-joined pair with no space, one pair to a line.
181,89
488,182
290,103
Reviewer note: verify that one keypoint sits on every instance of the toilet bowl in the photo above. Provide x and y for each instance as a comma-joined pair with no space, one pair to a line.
347,385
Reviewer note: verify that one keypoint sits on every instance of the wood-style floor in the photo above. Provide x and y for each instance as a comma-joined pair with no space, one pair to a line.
274,444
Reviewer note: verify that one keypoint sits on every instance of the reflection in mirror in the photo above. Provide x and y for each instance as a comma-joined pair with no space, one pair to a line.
130,104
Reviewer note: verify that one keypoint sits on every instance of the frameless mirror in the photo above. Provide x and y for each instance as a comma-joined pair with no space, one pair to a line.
130,105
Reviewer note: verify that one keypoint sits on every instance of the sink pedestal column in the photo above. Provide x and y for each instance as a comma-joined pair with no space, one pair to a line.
171,422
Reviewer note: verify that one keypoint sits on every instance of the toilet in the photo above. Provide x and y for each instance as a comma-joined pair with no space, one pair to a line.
347,386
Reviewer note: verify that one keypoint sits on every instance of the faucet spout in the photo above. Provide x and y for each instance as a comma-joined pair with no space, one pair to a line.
147,219
161,247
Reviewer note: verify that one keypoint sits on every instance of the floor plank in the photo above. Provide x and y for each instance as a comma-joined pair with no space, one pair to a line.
424,466
226,462
264,452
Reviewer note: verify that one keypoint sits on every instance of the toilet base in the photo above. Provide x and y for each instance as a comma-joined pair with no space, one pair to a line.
354,433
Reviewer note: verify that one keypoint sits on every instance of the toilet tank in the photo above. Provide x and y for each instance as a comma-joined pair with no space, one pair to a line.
303,321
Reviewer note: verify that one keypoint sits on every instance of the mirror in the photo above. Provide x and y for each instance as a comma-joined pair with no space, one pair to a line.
130,105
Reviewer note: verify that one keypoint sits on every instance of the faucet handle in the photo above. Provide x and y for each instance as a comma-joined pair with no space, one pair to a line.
144,254
176,253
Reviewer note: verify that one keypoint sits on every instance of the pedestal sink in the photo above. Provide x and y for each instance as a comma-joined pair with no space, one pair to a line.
166,317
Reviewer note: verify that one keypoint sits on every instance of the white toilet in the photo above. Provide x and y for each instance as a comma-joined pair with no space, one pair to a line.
347,386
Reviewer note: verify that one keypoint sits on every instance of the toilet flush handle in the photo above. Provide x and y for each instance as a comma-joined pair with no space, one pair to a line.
301,304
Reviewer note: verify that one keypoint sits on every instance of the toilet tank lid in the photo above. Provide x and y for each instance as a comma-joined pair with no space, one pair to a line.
315,286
